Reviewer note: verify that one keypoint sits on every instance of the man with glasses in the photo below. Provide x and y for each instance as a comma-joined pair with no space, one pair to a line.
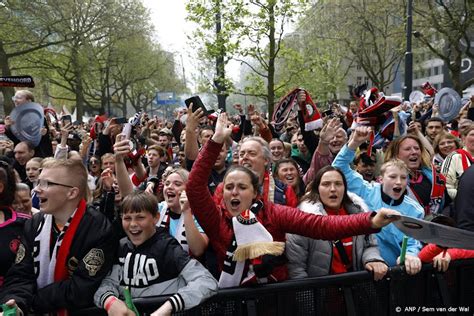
66,249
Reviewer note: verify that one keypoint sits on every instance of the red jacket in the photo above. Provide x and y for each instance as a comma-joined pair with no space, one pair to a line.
277,219
431,250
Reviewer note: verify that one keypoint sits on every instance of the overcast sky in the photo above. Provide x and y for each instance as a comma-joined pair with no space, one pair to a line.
169,18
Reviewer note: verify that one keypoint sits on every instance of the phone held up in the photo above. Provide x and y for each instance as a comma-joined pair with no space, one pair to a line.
197,103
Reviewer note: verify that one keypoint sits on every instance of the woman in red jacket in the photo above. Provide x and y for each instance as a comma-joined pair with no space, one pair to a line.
247,235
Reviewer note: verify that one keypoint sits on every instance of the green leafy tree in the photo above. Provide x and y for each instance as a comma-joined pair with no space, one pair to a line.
217,39
264,32
367,33
26,27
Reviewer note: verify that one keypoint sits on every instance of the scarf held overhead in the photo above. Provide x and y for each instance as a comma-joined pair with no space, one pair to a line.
283,109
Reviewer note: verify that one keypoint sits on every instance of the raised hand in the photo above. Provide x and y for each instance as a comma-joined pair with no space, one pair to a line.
238,107
223,129
257,120
360,135
121,146
413,128
250,109
107,178
183,202
194,118
329,130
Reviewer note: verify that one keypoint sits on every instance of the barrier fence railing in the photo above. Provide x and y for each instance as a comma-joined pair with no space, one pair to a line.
428,292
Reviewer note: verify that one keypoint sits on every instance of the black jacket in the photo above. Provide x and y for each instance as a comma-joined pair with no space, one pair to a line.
10,234
464,211
94,235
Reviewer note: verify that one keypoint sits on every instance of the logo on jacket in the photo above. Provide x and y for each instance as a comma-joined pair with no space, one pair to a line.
139,270
14,244
20,255
94,260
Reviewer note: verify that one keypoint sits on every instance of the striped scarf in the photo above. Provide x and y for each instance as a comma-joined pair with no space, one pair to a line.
52,268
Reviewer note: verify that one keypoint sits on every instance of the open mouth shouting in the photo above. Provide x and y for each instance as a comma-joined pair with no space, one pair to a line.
397,193
368,175
234,204
170,195
413,160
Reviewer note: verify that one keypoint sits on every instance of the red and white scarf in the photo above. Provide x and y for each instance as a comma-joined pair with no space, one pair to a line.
311,115
52,267
250,241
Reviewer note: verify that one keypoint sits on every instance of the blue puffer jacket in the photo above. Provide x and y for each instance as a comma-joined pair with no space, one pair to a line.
390,238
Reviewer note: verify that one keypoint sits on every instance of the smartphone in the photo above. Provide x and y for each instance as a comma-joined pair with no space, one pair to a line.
328,113
121,120
66,119
127,129
197,103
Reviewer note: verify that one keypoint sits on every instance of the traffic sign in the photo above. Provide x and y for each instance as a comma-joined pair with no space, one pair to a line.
165,98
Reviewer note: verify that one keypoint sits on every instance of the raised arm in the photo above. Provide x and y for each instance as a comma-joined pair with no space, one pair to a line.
191,147
122,148
355,182
200,199
322,156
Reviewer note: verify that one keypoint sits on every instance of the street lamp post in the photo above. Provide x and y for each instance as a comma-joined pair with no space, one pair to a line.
408,54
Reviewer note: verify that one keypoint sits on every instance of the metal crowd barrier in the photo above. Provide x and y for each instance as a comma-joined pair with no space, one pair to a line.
429,292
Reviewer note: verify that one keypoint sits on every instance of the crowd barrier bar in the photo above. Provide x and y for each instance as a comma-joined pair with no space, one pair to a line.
429,292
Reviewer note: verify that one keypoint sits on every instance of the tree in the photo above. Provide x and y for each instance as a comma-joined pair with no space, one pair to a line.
143,70
312,65
218,24
26,27
106,39
446,28
367,33
264,29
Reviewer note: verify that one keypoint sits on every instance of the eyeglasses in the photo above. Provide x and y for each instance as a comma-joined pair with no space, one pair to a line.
44,184
94,162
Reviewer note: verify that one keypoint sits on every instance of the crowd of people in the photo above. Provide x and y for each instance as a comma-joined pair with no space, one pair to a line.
146,207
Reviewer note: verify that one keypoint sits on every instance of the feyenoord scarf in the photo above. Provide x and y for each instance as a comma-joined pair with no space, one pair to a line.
52,268
17,81
250,241
311,115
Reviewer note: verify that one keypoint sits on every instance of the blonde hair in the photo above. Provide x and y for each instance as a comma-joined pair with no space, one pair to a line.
445,135
27,93
394,148
75,171
398,163
183,173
